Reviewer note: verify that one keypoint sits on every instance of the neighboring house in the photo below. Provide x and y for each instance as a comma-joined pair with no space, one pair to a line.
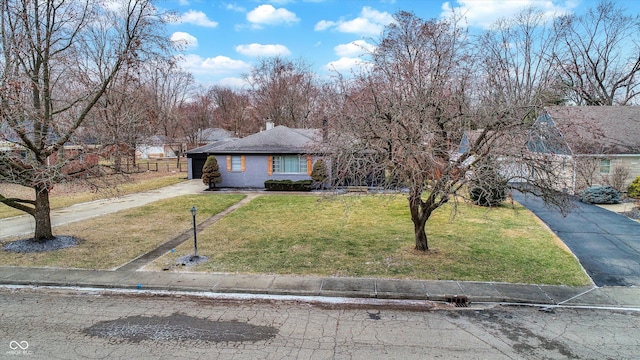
159,146
207,136
278,153
604,143
76,159
590,145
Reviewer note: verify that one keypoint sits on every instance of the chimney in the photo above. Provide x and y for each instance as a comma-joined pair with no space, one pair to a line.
269,124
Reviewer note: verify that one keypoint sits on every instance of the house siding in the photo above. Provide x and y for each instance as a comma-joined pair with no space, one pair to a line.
256,169
588,172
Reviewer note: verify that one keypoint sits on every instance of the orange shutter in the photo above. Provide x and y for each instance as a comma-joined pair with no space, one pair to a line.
309,165
269,165
242,163
229,163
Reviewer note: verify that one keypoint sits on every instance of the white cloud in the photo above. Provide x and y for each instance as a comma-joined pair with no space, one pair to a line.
183,2
197,18
353,49
347,64
263,50
184,39
235,7
268,15
370,22
233,82
484,13
324,25
218,65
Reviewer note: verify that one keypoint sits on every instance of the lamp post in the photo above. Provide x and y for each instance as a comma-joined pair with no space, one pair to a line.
195,239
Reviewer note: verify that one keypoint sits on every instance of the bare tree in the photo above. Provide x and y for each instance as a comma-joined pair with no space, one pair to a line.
195,116
167,89
232,111
58,59
284,91
525,70
120,119
598,55
400,122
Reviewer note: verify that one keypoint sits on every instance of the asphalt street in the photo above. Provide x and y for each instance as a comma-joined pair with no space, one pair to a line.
64,324
606,243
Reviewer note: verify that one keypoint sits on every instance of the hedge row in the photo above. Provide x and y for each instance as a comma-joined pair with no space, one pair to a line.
288,185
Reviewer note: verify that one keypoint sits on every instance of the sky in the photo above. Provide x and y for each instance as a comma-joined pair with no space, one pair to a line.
222,40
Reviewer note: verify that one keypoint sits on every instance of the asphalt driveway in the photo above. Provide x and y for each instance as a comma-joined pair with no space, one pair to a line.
606,243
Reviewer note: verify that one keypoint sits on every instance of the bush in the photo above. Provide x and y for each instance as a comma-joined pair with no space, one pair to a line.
211,172
600,195
634,189
288,185
319,174
488,188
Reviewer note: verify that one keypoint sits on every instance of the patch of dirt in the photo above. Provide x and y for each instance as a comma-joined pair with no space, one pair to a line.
31,246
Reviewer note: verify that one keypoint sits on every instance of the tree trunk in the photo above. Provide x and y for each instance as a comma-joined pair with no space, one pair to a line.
421,236
42,215
419,215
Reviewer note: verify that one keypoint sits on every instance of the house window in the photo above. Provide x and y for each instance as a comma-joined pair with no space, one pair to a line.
236,163
605,166
289,164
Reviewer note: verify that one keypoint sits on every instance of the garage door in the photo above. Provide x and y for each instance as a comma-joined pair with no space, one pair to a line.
198,164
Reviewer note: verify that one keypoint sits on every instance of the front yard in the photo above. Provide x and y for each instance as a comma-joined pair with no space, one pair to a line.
356,236
373,237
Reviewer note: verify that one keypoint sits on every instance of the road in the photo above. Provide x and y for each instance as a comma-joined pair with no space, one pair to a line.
78,324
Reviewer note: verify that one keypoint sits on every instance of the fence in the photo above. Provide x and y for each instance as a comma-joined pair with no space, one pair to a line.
158,165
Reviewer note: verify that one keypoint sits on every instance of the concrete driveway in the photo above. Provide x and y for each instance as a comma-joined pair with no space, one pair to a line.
606,243
25,224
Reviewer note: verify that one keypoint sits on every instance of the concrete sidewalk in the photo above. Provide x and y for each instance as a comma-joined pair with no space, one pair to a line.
367,288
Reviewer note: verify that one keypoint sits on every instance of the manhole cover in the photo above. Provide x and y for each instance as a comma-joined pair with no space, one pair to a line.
180,327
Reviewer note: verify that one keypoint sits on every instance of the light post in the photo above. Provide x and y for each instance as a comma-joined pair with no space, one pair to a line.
195,239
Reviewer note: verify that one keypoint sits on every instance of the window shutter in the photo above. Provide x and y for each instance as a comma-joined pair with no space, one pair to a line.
242,163
229,163
309,166
269,165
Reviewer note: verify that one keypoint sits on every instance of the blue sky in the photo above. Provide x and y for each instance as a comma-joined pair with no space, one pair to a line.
223,39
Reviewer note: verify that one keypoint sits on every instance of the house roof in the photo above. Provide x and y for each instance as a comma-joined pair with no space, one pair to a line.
599,129
208,147
545,137
278,140
215,134
500,143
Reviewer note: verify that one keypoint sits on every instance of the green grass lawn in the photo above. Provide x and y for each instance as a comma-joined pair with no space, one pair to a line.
368,236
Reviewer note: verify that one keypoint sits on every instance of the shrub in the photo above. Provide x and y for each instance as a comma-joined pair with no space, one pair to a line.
211,172
319,174
487,187
600,195
634,188
288,185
